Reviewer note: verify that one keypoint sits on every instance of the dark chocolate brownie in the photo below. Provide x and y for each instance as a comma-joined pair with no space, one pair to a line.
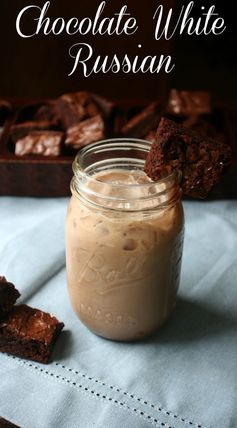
86,132
188,103
200,159
29,333
141,124
45,143
7,424
8,296
75,107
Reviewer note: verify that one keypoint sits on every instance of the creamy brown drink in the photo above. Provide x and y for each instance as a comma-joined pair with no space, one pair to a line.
124,238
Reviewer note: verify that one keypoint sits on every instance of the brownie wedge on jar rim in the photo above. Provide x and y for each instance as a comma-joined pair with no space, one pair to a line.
200,159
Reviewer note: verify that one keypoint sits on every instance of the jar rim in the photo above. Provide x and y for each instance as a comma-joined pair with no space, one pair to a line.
123,143
108,154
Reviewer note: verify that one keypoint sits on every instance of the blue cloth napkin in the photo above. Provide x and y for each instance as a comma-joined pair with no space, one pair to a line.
183,377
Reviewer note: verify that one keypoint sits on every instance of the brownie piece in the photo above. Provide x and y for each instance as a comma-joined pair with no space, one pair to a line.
7,424
29,333
21,130
8,296
188,103
141,124
86,132
200,159
75,107
45,143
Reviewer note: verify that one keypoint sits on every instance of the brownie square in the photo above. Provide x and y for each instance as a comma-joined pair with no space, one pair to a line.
188,103
29,333
200,159
85,132
75,107
45,143
8,296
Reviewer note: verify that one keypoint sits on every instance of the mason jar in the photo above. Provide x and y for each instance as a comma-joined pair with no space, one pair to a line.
124,239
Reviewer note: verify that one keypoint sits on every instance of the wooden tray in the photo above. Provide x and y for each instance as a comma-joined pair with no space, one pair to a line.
34,175
49,176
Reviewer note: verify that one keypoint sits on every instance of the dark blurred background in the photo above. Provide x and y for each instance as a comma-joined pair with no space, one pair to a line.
209,62
38,67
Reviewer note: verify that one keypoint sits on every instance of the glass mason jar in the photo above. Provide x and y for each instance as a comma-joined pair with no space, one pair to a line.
124,239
